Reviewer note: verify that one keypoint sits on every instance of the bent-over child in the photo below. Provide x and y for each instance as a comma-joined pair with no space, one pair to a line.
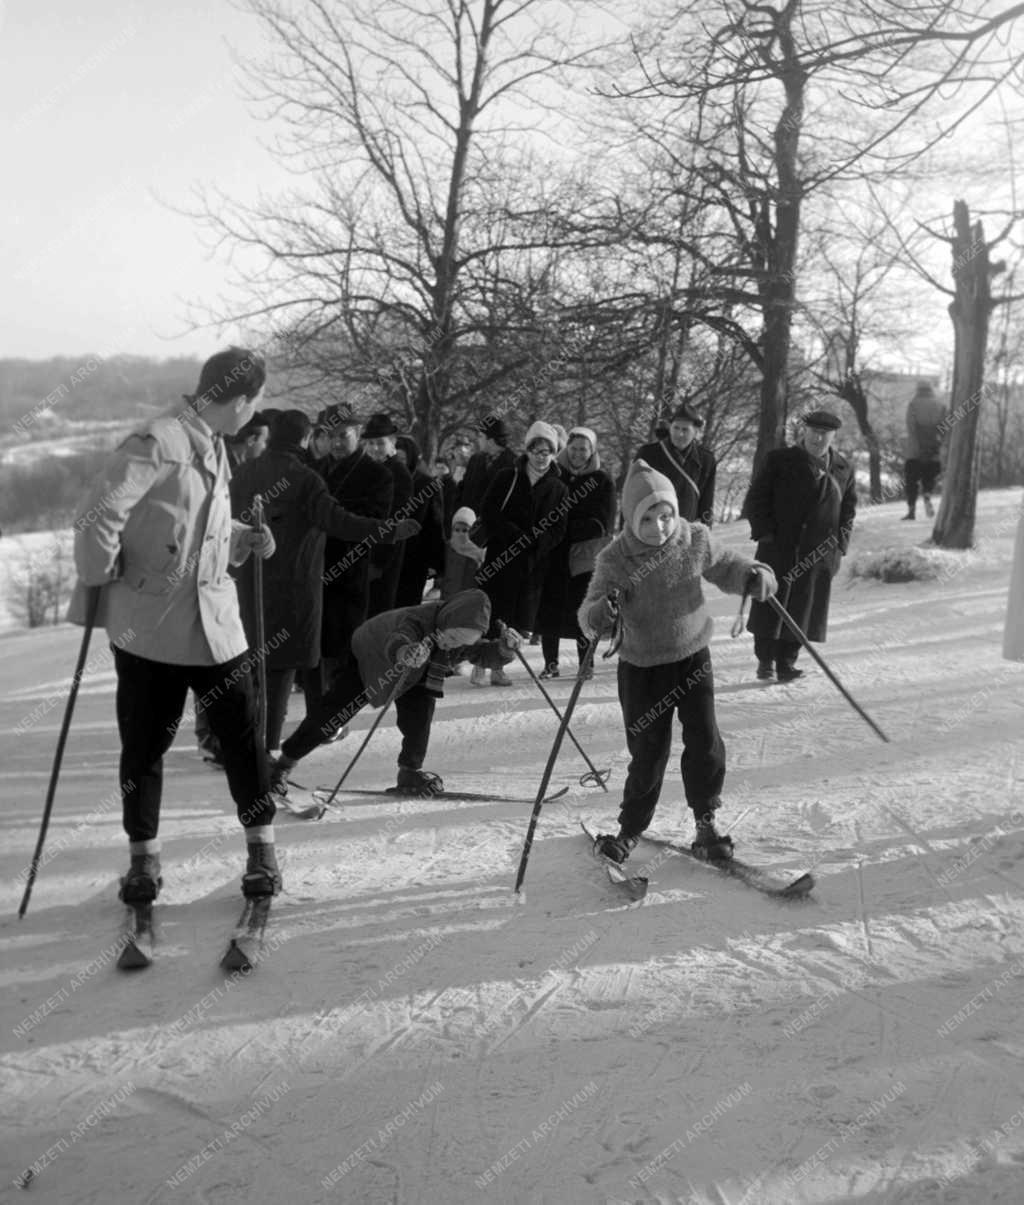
410,648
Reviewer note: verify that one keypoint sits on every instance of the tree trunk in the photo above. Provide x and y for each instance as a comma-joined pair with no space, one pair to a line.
970,310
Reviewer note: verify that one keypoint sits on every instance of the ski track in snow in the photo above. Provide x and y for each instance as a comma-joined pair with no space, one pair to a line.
418,1034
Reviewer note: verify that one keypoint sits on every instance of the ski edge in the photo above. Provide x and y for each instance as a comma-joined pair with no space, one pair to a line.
754,877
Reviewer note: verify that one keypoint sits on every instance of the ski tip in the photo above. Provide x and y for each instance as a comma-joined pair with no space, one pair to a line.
799,888
236,958
132,958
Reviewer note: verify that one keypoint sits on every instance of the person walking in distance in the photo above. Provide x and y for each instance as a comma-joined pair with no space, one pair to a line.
801,507
925,428
155,534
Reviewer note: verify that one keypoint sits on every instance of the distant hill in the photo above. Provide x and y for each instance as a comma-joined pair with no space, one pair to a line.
44,394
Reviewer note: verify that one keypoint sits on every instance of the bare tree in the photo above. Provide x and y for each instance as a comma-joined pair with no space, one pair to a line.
403,121
782,100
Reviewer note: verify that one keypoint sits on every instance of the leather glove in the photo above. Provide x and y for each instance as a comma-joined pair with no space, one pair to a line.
259,543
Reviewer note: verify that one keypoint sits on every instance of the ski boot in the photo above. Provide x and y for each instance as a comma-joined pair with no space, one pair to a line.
616,849
142,883
262,875
710,845
419,782
549,671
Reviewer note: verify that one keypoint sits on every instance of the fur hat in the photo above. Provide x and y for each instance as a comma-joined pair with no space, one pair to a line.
494,428
379,424
338,414
408,445
644,487
545,431
685,413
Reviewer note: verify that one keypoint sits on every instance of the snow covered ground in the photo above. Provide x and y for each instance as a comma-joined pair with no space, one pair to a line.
415,1034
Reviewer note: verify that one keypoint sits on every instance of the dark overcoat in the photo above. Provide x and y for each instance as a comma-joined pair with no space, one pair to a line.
300,513
359,484
480,472
801,517
521,523
591,513
386,560
425,552
691,471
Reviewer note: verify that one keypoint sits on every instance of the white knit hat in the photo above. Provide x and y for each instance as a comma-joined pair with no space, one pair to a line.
545,431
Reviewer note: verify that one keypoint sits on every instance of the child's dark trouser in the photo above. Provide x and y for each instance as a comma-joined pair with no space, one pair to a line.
414,712
150,701
650,699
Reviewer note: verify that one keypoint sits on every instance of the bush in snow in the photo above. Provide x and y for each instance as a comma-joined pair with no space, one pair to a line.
908,564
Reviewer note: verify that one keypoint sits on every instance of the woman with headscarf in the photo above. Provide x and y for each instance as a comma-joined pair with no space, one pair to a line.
522,519
590,513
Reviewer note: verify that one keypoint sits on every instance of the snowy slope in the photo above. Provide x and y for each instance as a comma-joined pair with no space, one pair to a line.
417,1035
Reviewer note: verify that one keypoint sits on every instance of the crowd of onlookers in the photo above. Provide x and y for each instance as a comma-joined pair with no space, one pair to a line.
524,526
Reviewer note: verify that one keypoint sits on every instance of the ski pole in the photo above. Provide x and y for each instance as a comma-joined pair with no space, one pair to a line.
794,627
366,739
261,631
91,607
600,777
577,686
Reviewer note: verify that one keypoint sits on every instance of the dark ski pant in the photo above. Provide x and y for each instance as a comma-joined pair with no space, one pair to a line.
923,474
345,698
279,690
651,696
549,646
150,700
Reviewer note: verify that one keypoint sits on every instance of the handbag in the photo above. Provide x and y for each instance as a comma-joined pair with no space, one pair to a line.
583,554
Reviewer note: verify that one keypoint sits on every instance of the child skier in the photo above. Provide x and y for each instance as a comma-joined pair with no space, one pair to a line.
411,647
653,568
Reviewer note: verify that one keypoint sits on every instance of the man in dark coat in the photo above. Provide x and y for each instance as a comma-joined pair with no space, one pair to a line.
590,515
386,562
425,556
801,507
300,513
362,486
523,518
492,456
690,467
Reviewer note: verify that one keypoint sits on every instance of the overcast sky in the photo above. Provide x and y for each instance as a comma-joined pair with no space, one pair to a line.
110,108
114,110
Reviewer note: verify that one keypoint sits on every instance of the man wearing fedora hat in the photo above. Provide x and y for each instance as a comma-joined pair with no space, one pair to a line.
690,467
386,563
800,507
